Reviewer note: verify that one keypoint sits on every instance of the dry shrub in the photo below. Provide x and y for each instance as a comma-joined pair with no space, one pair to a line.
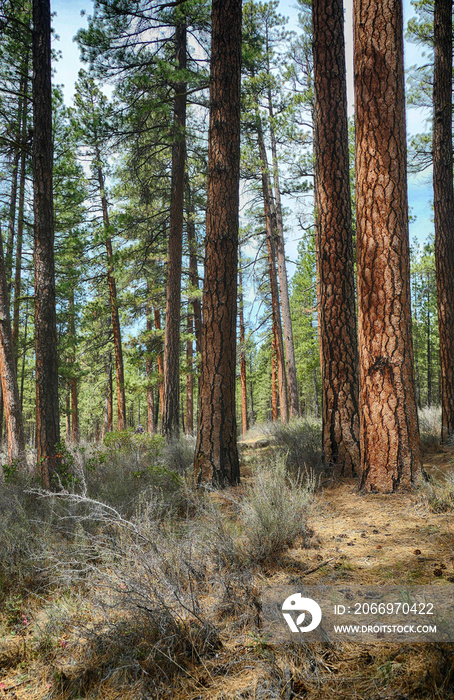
430,425
438,493
300,443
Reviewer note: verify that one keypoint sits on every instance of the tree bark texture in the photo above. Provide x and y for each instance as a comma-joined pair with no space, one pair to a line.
47,406
390,454
171,409
339,346
118,346
444,207
8,375
216,456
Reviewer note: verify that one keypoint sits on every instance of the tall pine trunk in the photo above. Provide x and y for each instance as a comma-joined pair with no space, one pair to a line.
216,456
193,271
444,207
8,374
390,454
189,375
171,409
271,230
20,219
287,326
337,314
46,372
118,347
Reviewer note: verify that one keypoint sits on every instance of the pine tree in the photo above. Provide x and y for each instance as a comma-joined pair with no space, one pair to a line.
216,456
390,457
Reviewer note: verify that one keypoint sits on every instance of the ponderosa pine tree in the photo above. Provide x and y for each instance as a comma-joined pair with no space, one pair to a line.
91,125
389,436
444,207
46,372
171,410
337,314
216,456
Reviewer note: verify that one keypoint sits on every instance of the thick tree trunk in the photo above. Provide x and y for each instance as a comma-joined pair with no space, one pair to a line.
216,456
339,347
171,409
118,347
8,375
444,207
292,381
390,454
244,416
47,407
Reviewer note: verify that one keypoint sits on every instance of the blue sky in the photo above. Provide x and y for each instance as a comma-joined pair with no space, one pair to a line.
68,19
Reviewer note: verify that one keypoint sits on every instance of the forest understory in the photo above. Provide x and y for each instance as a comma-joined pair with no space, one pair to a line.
140,587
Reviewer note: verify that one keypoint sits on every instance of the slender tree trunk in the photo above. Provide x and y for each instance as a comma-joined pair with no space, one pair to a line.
277,326
274,390
68,417
47,407
216,455
390,454
160,360
8,375
339,347
118,347
193,272
244,416
151,425
271,227
24,353
171,412
429,353
73,379
108,411
444,207
20,221
189,376
287,326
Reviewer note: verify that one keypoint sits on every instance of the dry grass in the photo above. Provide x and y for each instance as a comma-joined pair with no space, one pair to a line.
151,606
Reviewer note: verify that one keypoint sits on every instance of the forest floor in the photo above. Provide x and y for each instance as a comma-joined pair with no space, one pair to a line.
355,539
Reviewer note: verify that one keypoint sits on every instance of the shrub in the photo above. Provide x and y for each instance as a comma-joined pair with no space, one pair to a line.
430,425
438,494
274,513
299,443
